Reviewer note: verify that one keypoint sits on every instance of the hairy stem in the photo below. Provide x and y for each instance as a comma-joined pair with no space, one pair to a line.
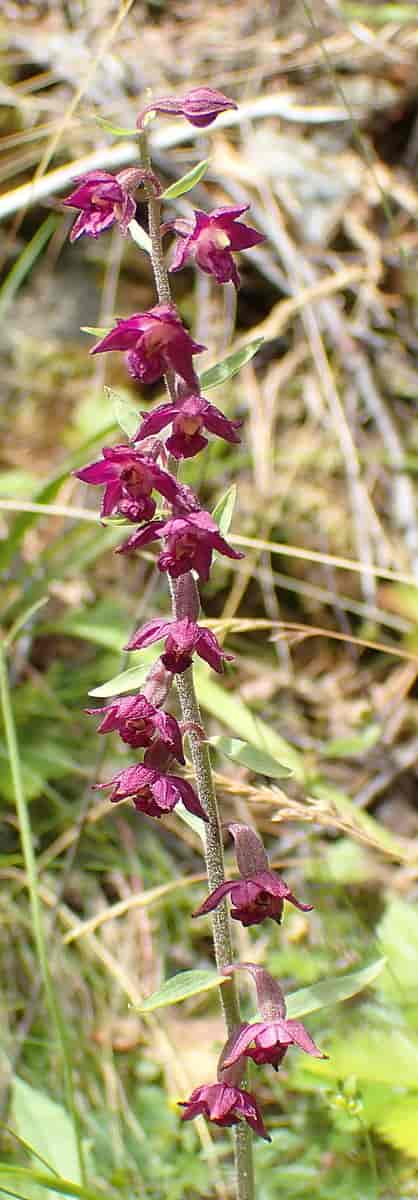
221,924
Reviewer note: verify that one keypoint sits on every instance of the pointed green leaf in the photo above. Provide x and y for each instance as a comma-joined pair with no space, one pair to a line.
48,1128
126,681
332,991
187,182
249,756
117,130
229,366
228,708
224,509
95,330
353,745
181,986
125,411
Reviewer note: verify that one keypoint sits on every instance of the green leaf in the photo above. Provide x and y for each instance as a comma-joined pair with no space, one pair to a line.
229,366
354,745
398,938
187,182
373,1055
139,236
224,509
117,130
126,413
47,1127
231,711
332,991
27,1176
24,263
399,1125
181,986
126,681
23,619
249,756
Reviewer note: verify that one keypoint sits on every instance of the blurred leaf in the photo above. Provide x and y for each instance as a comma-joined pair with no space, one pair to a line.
29,1178
398,937
117,130
24,263
379,14
125,412
399,1125
126,681
187,181
250,756
353,745
181,986
224,510
17,483
371,1054
333,990
23,619
348,862
231,711
47,1127
229,366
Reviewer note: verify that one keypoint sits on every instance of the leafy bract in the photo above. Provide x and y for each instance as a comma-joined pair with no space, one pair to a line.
229,366
332,991
224,510
187,181
181,986
249,756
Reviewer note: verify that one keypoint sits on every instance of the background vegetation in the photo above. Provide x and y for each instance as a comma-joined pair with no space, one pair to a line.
322,615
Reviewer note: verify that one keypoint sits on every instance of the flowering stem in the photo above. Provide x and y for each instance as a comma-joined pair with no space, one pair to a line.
221,925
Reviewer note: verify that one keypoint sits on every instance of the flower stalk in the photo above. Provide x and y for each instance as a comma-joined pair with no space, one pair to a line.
190,711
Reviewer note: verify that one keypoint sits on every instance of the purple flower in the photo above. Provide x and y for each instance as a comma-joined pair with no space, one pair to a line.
181,639
253,899
200,106
188,416
103,199
211,239
189,540
138,723
260,893
130,477
271,1036
152,791
271,1041
156,342
224,1105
